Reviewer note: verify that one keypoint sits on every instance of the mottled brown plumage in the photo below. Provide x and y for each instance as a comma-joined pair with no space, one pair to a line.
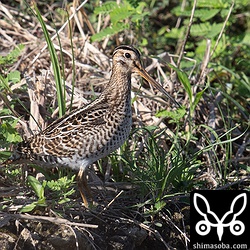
91,132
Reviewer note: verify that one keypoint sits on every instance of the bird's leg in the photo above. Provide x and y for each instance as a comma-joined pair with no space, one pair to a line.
83,187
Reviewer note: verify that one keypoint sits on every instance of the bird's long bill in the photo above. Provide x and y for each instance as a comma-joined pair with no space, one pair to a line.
143,73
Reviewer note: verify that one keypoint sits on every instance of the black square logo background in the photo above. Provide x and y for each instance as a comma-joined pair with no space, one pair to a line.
220,202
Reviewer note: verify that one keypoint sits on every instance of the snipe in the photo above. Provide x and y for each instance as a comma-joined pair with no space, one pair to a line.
91,132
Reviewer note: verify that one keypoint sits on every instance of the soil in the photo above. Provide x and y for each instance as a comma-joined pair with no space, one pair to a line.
112,224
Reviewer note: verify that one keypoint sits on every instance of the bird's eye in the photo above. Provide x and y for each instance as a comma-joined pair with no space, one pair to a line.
127,55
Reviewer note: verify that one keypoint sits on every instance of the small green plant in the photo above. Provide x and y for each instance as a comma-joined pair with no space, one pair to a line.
193,100
13,76
119,15
8,133
62,188
59,189
38,188
12,56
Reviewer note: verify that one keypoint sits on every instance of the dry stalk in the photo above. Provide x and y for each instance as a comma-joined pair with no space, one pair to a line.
47,219
187,34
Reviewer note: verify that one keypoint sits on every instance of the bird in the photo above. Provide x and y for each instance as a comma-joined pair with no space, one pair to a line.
91,132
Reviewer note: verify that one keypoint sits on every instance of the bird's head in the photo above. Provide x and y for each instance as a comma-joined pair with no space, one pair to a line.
127,59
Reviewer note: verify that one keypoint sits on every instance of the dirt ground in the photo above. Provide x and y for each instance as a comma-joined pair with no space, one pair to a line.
113,224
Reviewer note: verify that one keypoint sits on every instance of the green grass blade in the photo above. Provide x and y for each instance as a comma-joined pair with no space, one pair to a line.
185,82
55,65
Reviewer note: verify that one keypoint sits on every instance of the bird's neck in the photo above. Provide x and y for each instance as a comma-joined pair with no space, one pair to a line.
118,90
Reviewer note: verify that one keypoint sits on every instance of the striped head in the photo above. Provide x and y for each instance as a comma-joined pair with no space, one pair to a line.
127,59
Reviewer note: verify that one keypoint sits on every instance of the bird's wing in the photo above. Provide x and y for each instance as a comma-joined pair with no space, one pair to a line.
68,134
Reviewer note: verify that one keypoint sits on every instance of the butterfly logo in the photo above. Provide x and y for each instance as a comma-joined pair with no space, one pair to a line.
203,227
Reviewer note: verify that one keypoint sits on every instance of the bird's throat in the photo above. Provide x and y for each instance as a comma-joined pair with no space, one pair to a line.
118,90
